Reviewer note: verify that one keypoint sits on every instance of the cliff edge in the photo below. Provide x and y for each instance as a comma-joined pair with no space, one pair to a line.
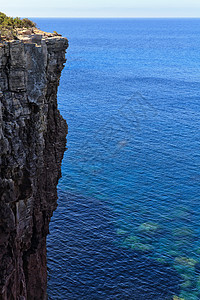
32,144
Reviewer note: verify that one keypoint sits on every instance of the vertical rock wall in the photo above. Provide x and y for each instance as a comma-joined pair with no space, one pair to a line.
32,144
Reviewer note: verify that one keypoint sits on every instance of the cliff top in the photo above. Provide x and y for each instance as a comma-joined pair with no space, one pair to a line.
21,29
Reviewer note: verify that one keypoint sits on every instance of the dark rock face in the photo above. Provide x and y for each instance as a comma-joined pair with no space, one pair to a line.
32,144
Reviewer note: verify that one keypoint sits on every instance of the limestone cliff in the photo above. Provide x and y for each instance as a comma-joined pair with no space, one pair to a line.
32,143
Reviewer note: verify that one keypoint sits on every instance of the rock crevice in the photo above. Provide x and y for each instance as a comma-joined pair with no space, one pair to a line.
32,144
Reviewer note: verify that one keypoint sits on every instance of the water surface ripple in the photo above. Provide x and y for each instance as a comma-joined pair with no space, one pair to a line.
127,224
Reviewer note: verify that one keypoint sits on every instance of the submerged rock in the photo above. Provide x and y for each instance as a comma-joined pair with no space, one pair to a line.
186,284
183,233
186,261
189,295
149,227
177,298
142,247
121,231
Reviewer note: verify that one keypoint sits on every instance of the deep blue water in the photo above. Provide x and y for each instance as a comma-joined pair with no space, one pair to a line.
128,221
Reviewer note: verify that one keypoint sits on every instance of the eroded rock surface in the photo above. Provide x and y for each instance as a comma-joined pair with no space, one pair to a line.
32,143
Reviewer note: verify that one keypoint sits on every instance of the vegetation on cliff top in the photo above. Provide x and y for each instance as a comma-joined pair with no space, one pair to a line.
8,26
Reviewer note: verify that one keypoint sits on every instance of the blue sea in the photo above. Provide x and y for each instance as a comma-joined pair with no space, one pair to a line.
127,224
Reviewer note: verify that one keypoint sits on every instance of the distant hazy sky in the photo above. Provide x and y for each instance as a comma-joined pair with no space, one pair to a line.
101,8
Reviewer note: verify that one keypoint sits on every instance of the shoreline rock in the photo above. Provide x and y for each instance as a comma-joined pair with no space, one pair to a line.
32,144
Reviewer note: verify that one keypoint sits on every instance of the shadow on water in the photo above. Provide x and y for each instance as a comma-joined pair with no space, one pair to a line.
84,256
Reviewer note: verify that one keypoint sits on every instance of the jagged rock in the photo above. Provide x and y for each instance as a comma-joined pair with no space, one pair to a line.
32,143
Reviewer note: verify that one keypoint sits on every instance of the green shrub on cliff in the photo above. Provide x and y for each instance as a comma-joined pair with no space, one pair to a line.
8,25
6,21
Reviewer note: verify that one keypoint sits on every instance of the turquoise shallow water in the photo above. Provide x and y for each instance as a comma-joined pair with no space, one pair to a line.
128,221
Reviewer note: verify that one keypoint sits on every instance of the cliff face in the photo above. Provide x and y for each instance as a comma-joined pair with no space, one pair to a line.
32,143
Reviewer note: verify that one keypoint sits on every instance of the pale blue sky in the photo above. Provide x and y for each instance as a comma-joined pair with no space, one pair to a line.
102,8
